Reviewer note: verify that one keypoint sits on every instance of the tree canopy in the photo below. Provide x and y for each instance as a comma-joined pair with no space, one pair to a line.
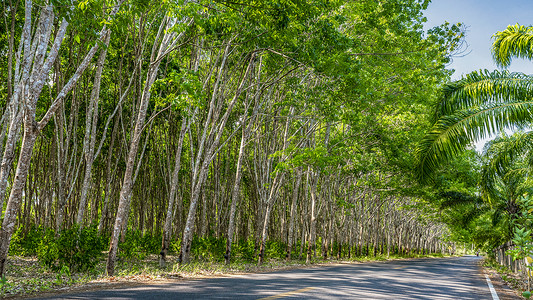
286,125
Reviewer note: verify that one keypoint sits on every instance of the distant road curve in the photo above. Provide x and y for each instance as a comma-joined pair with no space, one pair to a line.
428,278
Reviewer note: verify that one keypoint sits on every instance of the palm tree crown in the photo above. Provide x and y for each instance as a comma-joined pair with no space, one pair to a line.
480,104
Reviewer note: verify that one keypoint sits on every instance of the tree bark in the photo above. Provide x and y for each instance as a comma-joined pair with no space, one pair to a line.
90,131
167,230
290,238
209,156
312,222
165,40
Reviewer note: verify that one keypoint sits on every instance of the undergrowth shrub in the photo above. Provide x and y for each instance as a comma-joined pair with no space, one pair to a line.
137,245
275,249
244,249
208,248
77,249
26,243
131,247
151,243
175,246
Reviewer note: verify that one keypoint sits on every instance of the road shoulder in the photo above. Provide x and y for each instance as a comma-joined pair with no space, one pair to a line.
503,290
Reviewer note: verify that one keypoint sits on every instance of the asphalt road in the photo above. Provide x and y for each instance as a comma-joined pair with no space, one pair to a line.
431,278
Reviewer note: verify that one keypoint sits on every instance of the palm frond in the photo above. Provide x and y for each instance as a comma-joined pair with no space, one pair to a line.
515,41
481,87
455,199
497,217
489,184
473,214
502,152
504,169
451,134
516,173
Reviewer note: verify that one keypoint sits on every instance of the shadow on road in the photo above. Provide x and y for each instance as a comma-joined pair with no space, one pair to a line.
443,278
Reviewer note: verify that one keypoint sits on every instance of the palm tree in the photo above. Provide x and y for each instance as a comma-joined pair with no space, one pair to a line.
491,214
480,104
505,174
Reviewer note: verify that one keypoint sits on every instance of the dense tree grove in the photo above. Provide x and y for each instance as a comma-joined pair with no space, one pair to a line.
260,122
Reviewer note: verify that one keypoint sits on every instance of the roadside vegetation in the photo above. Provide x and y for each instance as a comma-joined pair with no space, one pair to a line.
213,135
34,272
489,196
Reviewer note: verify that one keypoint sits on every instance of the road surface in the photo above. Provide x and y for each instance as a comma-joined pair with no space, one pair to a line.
430,278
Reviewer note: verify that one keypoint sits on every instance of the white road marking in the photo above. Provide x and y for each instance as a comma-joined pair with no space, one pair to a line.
491,288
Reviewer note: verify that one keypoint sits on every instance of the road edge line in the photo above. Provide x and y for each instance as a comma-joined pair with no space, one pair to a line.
491,288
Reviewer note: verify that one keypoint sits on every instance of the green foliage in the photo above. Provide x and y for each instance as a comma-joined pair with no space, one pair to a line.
182,88
3,282
523,244
244,249
526,294
65,271
26,243
75,249
208,248
212,249
522,233
276,250
136,245
175,246
515,41
451,134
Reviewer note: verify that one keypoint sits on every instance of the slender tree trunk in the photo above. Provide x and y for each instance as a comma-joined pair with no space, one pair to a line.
209,156
90,132
312,232
167,230
15,197
278,180
235,196
109,179
290,241
165,42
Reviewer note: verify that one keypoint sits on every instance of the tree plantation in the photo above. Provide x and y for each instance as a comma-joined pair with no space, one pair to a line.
230,131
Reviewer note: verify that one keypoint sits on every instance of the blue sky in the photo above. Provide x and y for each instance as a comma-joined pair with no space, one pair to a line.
482,18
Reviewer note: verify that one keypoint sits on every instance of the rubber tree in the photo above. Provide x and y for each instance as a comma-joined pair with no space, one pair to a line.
35,69
165,42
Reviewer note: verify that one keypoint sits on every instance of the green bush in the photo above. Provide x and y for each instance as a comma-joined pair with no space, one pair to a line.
136,245
79,250
175,246
26,243
208,248
275,250
152,243
131,247
244,249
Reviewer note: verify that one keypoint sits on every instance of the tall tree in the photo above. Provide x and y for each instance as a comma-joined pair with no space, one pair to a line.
29,87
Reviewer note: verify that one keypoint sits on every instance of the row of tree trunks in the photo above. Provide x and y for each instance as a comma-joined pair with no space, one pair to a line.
243,155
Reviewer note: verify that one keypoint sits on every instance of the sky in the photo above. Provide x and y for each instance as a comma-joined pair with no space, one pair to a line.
482,19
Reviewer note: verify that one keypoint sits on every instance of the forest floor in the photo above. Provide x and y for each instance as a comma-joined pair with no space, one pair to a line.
27,278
